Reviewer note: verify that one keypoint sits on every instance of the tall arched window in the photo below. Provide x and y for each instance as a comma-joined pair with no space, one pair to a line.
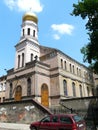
23,32
65,87
70,68
28,87
81,95
74,89
65,65
22,59
77,71
18,61
88,91
31,57
28,31
61,63
33,33
11,90
73,69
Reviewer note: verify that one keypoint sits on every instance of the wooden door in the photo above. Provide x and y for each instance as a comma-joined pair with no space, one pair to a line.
18,93
44,95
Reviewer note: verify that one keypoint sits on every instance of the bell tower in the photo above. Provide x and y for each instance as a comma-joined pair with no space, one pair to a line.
29,28
27,49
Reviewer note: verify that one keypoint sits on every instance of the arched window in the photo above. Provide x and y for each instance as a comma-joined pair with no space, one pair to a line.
33,33
23,32
73,69
77,71
31,57
28,31
22,59
65,87
74,89
81,95
11,90
18,61
65,65
61,63
70,68
28,87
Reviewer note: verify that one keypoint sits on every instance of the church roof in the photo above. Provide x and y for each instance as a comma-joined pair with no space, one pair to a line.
49,49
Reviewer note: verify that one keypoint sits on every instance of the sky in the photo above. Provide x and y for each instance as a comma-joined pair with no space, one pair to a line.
57,28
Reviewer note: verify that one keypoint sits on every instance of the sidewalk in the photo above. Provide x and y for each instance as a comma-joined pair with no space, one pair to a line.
14,126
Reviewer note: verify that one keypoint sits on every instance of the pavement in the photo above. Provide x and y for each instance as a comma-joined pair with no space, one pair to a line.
13,126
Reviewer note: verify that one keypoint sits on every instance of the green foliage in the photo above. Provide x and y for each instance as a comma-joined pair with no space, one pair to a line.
88,9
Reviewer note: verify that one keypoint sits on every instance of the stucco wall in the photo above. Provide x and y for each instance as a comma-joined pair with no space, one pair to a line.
21,112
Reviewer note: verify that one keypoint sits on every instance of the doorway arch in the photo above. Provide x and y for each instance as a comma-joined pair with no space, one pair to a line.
18,93
44,95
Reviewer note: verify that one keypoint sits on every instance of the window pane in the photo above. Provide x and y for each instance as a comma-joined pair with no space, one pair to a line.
77,118
66,120
74,90
55,119
65,87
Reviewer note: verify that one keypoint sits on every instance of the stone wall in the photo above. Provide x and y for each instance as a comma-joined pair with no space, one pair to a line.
86,107
22,111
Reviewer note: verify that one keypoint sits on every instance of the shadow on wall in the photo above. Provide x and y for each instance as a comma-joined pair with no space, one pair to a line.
87,107
91,117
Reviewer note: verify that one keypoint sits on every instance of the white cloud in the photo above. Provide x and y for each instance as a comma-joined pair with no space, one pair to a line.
56,36
61,29
24,5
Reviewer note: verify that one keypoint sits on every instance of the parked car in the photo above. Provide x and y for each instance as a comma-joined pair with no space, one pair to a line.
59,122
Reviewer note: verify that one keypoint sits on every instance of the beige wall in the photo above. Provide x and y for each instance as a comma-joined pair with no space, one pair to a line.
52,74
2,88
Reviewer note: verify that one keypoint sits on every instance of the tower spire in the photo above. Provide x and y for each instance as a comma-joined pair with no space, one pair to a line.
28,47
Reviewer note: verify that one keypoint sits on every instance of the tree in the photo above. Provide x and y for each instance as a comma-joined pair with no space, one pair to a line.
88,9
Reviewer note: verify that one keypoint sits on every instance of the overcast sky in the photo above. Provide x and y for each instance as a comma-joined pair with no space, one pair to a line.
57,28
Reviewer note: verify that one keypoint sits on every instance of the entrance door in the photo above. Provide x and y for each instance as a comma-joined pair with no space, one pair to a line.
18,93
44,95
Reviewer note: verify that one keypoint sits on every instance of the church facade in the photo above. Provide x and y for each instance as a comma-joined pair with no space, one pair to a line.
43,73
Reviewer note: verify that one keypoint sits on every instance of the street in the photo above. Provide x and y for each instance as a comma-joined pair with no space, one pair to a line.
7,129
14,126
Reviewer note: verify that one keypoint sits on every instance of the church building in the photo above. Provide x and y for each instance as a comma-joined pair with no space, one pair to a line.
43,73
